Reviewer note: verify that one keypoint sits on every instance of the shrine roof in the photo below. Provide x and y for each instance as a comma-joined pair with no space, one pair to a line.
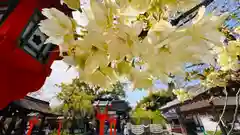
170,104
194,90
202,96
33,104
116,105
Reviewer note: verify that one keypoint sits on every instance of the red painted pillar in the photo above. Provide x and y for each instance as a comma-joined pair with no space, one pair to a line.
102,117
32,122
113,122
59,127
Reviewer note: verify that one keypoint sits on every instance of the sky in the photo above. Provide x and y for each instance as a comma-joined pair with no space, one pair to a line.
61,74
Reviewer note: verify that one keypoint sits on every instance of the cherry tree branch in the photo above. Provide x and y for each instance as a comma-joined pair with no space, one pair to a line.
235,113
184,15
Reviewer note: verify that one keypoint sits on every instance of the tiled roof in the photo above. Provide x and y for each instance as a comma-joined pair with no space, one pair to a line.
33,104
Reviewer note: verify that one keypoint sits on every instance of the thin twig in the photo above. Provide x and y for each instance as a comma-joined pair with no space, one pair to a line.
186,14
235,113
224,109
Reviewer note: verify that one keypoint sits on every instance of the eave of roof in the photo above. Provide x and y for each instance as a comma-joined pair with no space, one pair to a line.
193,90
35,105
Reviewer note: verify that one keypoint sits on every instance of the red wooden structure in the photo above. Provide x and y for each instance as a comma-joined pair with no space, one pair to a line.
102,116
25,59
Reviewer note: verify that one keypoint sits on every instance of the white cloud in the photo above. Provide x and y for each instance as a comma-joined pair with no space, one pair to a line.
59,74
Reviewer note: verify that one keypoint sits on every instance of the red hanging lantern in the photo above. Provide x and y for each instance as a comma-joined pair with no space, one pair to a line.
25,59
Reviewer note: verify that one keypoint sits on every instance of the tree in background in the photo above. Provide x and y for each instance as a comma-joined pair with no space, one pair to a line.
116,91
148,107
155,100
79,95
76,99
154,117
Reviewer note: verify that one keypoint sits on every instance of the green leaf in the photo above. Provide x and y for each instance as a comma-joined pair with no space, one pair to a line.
73,4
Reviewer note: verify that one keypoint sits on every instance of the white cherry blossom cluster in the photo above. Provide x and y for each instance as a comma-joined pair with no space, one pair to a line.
110,47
